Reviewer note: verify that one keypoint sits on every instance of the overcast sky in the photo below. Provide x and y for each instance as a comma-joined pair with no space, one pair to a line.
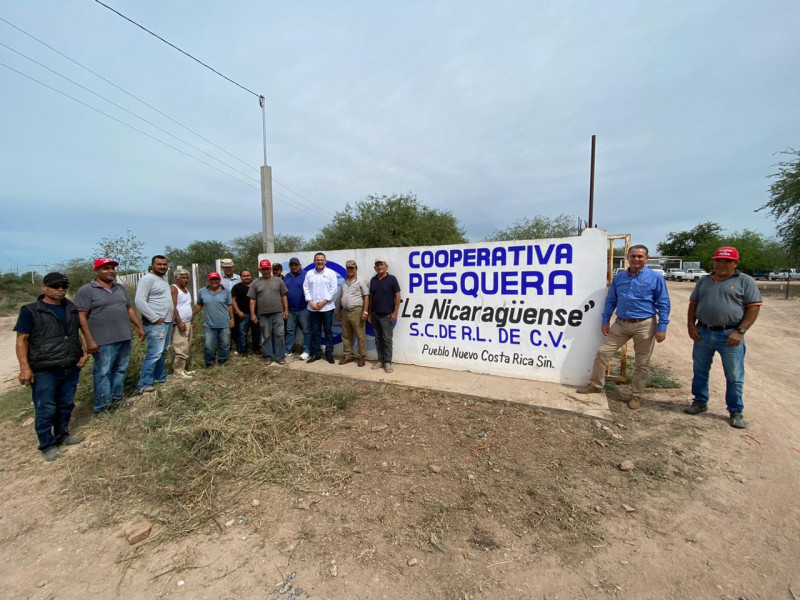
485,109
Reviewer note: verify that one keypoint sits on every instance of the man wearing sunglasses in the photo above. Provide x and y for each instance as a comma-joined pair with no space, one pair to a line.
51,354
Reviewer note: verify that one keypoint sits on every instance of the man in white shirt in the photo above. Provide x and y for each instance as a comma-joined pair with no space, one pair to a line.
320,287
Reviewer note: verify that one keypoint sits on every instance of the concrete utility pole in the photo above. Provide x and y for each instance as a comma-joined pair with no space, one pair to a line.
45,269
267,219
591,184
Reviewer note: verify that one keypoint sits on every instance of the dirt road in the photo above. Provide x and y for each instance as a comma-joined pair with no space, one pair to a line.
715,511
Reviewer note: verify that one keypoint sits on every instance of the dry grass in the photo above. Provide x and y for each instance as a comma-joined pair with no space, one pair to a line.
176,451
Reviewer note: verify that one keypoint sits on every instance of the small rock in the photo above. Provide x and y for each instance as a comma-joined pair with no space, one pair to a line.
471,477
181,583
334,571
622,426
600,443
357,469
379,428
255,503
411,562
698,478
597,508
628,508
28,422
436,468
137,532
626,465
230,523
42,583
384,465
616,436
606,428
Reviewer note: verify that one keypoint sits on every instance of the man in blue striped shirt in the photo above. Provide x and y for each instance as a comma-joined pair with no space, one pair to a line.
638,295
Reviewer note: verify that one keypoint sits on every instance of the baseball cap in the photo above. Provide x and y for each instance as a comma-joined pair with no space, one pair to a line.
265,264
382,259
350,263
52,278
277,266
294,261
214,275
727,252
100,262
226,262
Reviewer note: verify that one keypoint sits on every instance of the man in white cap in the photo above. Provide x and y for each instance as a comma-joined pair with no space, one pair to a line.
352,311
384,302
229,278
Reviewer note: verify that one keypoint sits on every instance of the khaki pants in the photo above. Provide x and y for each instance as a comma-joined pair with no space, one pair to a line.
353,323
643,335
181,341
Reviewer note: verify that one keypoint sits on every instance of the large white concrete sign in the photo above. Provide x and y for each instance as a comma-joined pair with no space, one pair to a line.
529,309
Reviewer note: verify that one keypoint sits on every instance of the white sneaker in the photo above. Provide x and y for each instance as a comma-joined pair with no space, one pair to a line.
304,356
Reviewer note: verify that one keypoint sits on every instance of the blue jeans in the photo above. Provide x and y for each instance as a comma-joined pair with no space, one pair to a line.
211,336
301,318
382,323
320,321
154,365
53,401
732,364
108,373
242,327
272,333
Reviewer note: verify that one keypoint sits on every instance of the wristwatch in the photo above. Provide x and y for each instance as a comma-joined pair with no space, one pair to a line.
741,330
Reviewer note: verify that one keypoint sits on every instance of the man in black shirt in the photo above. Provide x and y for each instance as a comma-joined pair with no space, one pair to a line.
384,302
51,354
241,309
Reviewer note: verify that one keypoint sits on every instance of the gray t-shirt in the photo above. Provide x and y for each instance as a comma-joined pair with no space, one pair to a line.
107,312
267,293
215,307
154,299
724,303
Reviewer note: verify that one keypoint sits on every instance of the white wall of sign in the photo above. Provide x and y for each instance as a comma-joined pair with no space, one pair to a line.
529,309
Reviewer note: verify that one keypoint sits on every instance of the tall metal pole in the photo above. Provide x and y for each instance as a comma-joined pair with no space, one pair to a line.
267,220
591,185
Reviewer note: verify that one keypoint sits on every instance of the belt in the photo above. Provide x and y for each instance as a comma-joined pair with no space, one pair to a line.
634,320
717,327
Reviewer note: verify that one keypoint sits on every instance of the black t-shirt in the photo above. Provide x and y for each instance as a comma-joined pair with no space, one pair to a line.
25,320
239,293
383,292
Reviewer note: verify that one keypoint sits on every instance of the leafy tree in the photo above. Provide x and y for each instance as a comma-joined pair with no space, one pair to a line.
537,228
198,251
685,243
387,221
784,203
127,250
247,248
79,271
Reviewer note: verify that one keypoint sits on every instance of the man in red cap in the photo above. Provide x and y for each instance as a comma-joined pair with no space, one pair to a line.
722,307
106,311
216,300
269,308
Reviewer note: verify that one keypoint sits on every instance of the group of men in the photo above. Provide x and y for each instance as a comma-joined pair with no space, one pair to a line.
722,307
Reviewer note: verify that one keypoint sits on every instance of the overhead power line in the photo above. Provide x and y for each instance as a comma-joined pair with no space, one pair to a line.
133,114
152,137
163,114
124,91
179,49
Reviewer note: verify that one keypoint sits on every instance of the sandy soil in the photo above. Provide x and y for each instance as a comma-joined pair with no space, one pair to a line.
522,503
9,368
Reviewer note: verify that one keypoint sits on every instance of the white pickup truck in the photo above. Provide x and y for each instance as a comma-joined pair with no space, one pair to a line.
693,274
784,274
674,274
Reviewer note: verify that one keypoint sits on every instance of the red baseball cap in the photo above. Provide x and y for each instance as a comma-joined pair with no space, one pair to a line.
726,252
214,275
265,264
100,262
